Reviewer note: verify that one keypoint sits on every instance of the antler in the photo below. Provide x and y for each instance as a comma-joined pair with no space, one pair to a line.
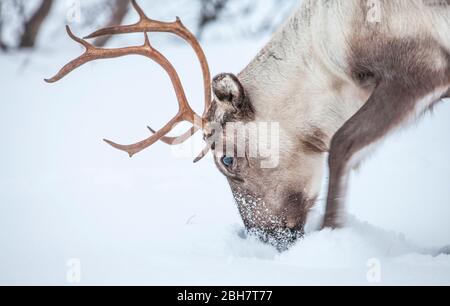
176,140
145,25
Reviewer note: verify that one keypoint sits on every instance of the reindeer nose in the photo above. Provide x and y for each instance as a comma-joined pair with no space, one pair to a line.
291,224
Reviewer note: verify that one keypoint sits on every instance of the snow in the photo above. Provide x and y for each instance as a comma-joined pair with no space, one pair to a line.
158,219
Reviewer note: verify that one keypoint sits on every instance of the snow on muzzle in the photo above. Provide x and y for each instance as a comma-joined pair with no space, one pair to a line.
265,223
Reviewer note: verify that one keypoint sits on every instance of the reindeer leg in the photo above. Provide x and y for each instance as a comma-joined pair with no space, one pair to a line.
391,104
409,78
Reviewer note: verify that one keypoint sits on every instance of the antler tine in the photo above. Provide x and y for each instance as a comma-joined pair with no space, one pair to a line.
76,62
146,24
203,153
138,147
139,10
177,140
183,138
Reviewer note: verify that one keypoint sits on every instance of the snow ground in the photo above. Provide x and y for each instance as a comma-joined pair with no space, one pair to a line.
157,219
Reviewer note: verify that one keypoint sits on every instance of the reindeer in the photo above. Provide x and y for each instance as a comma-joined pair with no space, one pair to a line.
338,78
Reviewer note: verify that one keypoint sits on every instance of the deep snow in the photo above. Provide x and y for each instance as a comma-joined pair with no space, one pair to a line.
158,218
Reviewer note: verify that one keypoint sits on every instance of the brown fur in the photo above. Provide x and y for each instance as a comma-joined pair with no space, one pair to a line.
315,141
403,76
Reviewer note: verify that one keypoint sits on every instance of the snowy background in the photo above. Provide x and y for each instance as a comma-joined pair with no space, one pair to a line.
158,219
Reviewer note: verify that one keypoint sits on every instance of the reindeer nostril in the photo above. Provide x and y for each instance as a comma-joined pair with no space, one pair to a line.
293,198
291,224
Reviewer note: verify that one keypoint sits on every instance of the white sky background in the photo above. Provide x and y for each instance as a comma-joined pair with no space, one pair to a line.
159,219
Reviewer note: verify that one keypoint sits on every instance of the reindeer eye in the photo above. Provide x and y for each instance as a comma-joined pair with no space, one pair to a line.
227,161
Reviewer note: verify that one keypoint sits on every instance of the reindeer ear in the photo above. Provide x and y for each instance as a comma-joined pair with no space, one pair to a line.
228,89
231,99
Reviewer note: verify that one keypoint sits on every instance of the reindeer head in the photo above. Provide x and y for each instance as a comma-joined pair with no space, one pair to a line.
273,175
265,168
